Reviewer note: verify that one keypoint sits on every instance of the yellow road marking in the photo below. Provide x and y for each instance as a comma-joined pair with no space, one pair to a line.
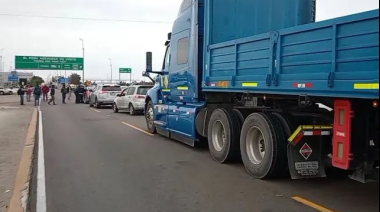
98,111
138,129
311,204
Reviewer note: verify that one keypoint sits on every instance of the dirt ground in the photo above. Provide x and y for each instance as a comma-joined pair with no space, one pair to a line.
14,123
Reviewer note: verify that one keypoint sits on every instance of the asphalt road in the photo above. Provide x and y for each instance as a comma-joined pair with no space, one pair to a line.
96,163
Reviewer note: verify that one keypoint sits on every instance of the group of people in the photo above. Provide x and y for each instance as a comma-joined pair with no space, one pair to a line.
67,92
37,91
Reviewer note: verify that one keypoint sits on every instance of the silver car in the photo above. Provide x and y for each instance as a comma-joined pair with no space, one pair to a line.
132,99
104,95
6,91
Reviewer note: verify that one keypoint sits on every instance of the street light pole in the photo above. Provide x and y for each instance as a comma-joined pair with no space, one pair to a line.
83,59
2,67
111,68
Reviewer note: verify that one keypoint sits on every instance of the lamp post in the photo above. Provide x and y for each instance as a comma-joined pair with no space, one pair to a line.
111,67
83,59
2,66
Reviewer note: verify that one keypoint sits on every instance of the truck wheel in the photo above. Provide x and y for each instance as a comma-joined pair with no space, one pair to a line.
263,148
223,136
149,118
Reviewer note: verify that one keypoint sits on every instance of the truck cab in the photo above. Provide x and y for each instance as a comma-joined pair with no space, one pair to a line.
179,80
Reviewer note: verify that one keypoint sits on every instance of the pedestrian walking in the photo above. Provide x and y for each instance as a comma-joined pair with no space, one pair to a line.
37,95
63,92
52,95
29,91
69,91
21,92
45,92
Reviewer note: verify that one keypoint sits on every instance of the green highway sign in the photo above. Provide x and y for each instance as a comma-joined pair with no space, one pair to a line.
125,70
49,63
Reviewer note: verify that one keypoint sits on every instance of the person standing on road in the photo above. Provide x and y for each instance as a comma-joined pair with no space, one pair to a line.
45,92
80,94
37,95
21,92
52,95
63,92
69,91
29,92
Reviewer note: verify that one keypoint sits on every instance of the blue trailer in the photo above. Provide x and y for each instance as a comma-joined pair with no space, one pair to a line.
249,77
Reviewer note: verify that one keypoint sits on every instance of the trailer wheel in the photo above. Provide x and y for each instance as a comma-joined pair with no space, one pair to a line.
223,136
262,145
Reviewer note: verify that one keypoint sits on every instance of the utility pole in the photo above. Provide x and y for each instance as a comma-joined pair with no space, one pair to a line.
2,67
111,68
83,59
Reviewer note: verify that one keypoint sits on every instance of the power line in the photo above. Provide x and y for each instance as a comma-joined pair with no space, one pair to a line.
84,19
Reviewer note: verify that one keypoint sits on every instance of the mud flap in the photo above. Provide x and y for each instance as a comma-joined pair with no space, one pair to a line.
306,158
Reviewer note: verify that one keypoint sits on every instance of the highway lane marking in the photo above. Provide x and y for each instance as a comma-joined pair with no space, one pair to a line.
311,204
136,128
41,178
98,111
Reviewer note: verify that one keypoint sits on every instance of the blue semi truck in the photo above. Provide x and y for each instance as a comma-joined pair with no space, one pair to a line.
249,77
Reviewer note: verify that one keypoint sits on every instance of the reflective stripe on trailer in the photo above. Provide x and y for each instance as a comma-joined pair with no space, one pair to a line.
309,130
366,86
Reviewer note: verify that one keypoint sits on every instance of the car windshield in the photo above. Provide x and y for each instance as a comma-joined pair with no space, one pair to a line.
111,88
143,90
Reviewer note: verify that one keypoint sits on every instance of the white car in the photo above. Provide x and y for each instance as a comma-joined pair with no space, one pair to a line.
6,91
132,99
104,95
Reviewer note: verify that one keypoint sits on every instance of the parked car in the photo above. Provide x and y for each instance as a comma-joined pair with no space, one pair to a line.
132,99
104,94
6,91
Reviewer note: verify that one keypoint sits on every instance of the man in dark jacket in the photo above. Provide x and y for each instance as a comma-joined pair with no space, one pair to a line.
52,95
63,92
37,95
21,92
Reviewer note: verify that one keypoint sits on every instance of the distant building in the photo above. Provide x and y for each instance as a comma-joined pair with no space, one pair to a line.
21,75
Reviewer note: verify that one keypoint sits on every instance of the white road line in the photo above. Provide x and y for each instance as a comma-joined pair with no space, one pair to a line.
98,111
41,180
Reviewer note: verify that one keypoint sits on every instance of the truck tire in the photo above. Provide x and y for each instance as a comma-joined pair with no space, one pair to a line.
263,147
149,118
223,136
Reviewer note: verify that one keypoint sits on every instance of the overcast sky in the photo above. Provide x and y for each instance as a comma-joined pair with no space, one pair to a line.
124,42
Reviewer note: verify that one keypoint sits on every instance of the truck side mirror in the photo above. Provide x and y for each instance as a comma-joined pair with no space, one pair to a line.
149,62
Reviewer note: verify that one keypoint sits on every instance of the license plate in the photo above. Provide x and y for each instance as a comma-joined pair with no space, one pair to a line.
113,94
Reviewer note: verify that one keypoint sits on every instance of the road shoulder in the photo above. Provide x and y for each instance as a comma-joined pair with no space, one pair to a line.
19,200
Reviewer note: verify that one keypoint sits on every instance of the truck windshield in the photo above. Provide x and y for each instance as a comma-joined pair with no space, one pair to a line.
167,58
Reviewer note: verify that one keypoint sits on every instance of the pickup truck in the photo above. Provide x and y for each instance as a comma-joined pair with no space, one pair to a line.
249,77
